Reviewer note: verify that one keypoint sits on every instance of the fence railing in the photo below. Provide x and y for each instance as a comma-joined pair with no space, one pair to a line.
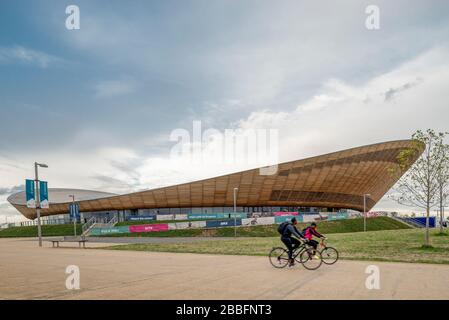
113,221
88,225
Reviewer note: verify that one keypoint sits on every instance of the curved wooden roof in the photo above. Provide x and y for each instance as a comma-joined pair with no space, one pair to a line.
337,179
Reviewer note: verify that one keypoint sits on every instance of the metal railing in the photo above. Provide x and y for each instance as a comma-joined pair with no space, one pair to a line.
98,223
414,222
113,221
421,224
88,225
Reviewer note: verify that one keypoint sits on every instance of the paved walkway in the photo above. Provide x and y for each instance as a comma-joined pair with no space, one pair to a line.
29,272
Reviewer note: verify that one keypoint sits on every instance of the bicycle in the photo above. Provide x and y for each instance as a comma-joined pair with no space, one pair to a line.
278,257
329,255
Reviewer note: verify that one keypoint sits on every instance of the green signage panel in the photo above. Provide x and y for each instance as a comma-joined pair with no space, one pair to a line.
30,193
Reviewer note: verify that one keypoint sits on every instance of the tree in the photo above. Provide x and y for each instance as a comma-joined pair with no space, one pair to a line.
418,187
443,182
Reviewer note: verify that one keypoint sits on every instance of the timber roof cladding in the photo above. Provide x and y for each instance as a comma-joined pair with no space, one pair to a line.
337,179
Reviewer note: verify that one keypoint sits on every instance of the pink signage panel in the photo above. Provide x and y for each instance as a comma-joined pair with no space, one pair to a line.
279,214
149,227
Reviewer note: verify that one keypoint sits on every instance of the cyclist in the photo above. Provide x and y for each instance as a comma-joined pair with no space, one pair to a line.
309,232
291,243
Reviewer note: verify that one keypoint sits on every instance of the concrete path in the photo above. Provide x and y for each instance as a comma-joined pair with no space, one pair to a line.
29,272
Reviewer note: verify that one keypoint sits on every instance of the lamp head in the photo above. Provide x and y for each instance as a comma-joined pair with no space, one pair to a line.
42,165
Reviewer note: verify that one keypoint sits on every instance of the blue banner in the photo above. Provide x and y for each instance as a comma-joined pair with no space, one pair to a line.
43,195
141,218
223,223
74,210
30,193
231,215
422,221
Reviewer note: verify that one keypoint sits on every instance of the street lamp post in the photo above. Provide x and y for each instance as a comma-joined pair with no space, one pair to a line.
235,211
364,210
73,208
38,200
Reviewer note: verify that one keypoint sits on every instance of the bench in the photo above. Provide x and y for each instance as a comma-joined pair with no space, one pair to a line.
79,240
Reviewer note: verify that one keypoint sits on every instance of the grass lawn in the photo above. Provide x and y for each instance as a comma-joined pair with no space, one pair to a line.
338,226
390,245
47,231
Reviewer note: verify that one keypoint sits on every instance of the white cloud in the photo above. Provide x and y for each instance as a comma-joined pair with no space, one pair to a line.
22,55
343,115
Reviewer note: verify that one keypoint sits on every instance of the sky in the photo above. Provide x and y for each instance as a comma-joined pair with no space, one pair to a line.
100,104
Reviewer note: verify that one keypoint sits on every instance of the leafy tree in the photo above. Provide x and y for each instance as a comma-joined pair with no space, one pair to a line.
419,187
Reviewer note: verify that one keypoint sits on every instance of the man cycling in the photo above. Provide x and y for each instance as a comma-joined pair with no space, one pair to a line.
286,237
309,232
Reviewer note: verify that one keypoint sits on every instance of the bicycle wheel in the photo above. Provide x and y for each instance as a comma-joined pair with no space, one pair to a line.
309,260
278,257
329,255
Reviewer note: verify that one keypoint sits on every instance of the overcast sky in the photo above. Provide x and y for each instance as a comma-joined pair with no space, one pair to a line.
98,104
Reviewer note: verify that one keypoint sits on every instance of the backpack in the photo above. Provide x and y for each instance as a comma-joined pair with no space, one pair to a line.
282,226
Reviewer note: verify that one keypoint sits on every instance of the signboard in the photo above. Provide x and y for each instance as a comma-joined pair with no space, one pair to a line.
282,213
149,227
196,224
192,216
141,218
232,215
223,223
337,216
257,221
30,193
74,210
186,225
373,214
165,217
103,231
43,195
282,219
422,221
310,217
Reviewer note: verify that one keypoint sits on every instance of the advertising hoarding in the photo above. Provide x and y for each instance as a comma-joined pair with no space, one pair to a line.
103,231
223,223
281,213
149,227
141,218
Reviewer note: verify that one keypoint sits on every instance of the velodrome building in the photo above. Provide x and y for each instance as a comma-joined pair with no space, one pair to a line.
327,183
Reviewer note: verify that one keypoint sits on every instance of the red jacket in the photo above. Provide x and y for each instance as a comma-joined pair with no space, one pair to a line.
309,232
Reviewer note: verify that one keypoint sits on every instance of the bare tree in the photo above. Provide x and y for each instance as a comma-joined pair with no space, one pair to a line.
418,187
443,181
